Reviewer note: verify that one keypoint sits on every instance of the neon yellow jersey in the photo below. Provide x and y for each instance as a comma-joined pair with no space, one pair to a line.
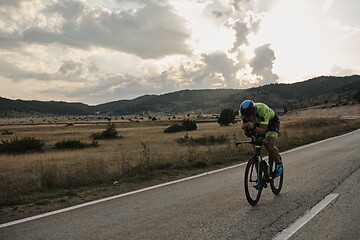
263,114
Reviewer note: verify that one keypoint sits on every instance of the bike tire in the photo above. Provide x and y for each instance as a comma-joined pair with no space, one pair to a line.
251,174
276,182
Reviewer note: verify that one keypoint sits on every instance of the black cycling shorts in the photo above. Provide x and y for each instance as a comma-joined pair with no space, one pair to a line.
273,127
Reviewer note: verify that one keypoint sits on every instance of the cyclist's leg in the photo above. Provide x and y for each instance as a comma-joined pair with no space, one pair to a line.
274,153
272,149
270,137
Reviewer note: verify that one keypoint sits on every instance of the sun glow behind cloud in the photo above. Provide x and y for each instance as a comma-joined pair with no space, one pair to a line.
296,31
206,37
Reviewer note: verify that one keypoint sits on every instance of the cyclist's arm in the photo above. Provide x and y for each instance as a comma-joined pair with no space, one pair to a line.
260,130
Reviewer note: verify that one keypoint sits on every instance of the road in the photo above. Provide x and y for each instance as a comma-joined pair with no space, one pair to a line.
214,206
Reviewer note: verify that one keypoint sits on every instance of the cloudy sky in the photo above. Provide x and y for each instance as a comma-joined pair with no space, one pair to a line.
96,51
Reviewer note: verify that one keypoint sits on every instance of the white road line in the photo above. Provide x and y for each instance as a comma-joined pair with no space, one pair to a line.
148,188
288,232
116,196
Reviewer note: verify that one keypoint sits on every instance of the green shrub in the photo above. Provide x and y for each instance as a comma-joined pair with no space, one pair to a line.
205,140
6,132
186,125
226,117
74,144
24,145
174,128
109,133
189,125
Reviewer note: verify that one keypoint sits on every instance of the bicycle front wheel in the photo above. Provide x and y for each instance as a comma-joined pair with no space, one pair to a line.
276,182
253,175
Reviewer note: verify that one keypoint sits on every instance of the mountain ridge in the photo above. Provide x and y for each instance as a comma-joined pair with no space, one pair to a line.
277,95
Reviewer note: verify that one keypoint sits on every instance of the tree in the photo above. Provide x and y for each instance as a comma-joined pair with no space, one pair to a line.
109,133
226,117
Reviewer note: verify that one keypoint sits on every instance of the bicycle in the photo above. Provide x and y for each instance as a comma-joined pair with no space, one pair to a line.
258,171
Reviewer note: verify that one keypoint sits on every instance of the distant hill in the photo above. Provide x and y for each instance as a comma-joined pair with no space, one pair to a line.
312,91
337,96
185,101
280,95
51,107
212,101
121,104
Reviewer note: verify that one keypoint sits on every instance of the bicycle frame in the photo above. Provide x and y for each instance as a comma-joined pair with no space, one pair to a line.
258,147
259,158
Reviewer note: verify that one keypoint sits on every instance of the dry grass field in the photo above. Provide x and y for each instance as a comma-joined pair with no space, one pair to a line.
143,145
145,153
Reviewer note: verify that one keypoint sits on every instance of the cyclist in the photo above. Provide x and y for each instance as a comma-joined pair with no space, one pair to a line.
260,120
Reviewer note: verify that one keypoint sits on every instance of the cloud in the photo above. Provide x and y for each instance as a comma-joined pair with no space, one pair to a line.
113,87
327,5
229,7
262,64
238,4
214,69
150,31
15,73
348,31
243,28
21,10
70,10
8,69
241,33
339,71
217,13
13,3
232,68
218,64
77,51
69,71
223,9
103,87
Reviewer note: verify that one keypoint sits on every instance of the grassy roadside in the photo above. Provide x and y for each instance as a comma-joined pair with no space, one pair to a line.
145,156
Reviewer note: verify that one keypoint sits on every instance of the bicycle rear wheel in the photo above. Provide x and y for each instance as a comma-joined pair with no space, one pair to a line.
251,176
276,182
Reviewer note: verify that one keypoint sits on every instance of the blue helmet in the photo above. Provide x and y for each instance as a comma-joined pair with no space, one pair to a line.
247,108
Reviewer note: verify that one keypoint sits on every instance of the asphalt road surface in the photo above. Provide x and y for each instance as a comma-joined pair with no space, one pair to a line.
215,207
